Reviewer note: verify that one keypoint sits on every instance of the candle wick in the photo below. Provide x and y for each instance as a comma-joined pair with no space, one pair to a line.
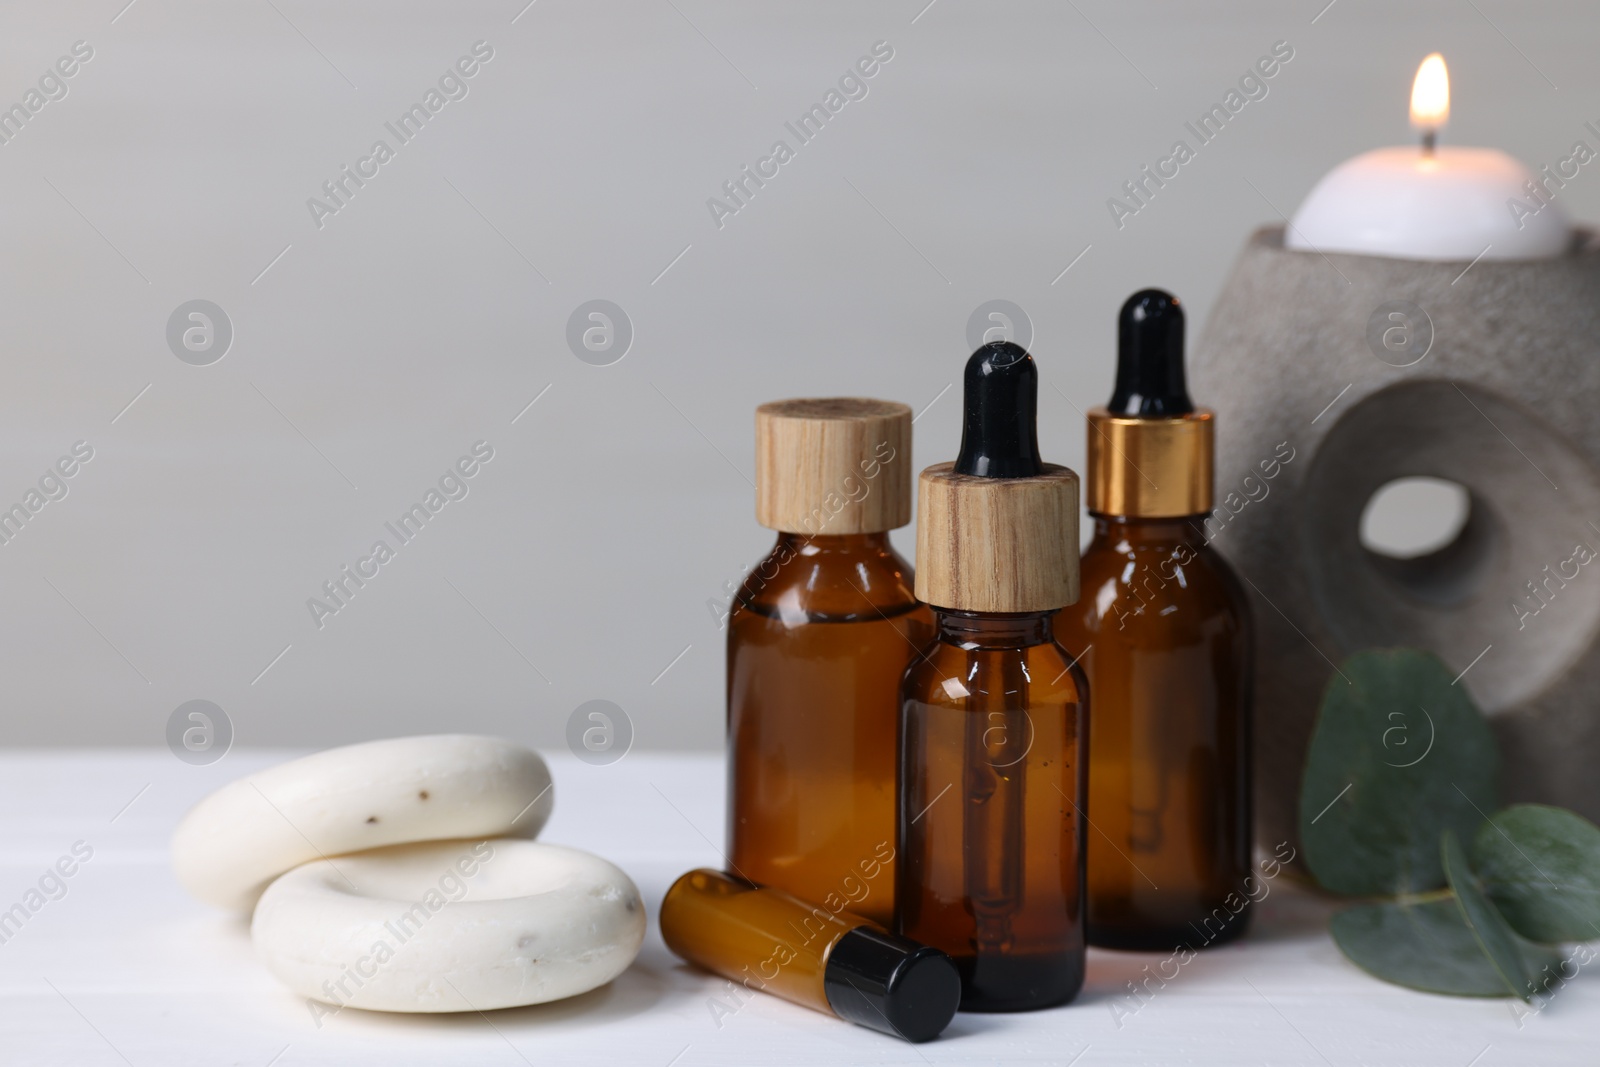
1429,139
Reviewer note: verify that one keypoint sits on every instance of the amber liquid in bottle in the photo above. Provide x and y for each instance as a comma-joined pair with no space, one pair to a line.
818,639
762,938
991,861
1163,631
769,941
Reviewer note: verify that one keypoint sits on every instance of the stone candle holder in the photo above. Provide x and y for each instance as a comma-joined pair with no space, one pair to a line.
1373,369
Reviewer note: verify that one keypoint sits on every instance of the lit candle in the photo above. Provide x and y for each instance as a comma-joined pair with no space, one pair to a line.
1433,202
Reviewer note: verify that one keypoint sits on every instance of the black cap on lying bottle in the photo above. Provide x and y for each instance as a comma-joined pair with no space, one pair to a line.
891,984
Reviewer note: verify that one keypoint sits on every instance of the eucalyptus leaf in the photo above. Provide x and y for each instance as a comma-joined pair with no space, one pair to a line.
1426,946
1399,755
1494,935
1540,866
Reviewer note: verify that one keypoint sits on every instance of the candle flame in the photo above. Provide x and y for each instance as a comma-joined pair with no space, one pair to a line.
1430,94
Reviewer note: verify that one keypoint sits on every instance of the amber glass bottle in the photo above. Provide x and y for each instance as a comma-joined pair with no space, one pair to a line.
994,713
818,639
769,941
1163,630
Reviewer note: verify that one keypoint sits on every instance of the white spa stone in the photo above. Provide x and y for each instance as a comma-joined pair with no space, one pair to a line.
449,926
402,790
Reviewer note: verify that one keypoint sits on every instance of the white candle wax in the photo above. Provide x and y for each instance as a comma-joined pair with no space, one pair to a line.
1453,204
1432,203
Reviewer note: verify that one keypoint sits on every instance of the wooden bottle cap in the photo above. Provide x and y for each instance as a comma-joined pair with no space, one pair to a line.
834,465
997,544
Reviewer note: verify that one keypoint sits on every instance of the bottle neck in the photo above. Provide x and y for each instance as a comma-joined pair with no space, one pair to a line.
829,578
809,545
1123,530
975,630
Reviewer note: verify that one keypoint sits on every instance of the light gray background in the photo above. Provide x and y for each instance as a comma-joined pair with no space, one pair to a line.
376,350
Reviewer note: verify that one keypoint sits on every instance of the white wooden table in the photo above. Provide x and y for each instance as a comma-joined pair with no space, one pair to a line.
126,969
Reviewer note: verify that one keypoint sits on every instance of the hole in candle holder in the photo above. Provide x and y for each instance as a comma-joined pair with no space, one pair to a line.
1412,517
1428,536
1513,575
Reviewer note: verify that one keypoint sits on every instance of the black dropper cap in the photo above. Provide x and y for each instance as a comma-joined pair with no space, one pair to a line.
1150,378
999,434
891,984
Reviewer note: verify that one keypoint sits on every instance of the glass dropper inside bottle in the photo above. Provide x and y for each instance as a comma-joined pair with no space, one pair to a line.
999,439
994,712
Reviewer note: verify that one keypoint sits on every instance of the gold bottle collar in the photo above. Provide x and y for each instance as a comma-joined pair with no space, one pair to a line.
1150,468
